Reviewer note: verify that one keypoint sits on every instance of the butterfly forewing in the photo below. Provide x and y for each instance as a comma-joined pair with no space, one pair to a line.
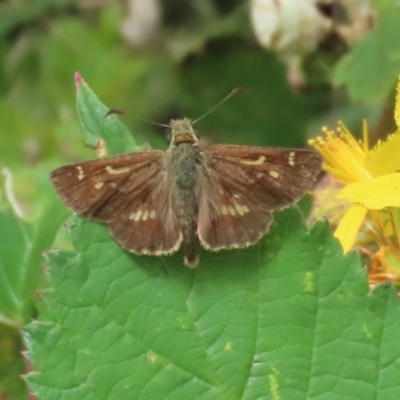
272,177
131,193
89,187
242,185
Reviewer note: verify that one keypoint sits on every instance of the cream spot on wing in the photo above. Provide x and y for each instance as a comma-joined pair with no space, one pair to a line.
132,215
274,174
253,162
245,209
291,158
145,215
138,215
111,170
224,210
113,185
81,175
231,210
239,209
153,214
99,185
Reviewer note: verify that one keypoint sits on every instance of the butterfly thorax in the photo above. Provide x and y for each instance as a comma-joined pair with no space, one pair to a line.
182,131
183,162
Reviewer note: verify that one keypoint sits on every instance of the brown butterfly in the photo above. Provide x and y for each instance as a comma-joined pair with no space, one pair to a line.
156,201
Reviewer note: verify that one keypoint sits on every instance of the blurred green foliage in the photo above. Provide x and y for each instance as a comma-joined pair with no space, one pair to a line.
201,50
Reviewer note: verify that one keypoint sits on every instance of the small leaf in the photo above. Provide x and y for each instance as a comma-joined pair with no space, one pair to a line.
288,318
97,127
379,50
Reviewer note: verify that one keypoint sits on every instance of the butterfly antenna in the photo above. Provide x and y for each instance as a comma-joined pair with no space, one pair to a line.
156,123
114,111
232,93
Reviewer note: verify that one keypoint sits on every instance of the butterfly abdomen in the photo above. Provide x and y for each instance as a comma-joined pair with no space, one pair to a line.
184,167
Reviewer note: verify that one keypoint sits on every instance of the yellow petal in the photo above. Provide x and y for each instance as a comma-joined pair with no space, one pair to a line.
349,226
374,194
384,157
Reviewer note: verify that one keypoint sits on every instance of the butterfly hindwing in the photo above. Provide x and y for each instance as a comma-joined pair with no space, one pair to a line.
148,225
228,220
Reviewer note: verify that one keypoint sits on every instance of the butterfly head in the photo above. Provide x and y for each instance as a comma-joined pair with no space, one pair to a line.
182,131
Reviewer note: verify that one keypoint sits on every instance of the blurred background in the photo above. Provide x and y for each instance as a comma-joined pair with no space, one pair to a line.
159,60
306,64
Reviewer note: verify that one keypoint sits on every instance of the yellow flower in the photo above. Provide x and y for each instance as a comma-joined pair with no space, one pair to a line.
369,176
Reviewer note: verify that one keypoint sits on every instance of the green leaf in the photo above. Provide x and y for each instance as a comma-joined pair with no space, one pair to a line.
21,247
290,318
12,365
270,115
97,126
371,68
14,14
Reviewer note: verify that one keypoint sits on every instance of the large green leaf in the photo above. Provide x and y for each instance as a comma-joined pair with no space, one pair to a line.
270,115
290,318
